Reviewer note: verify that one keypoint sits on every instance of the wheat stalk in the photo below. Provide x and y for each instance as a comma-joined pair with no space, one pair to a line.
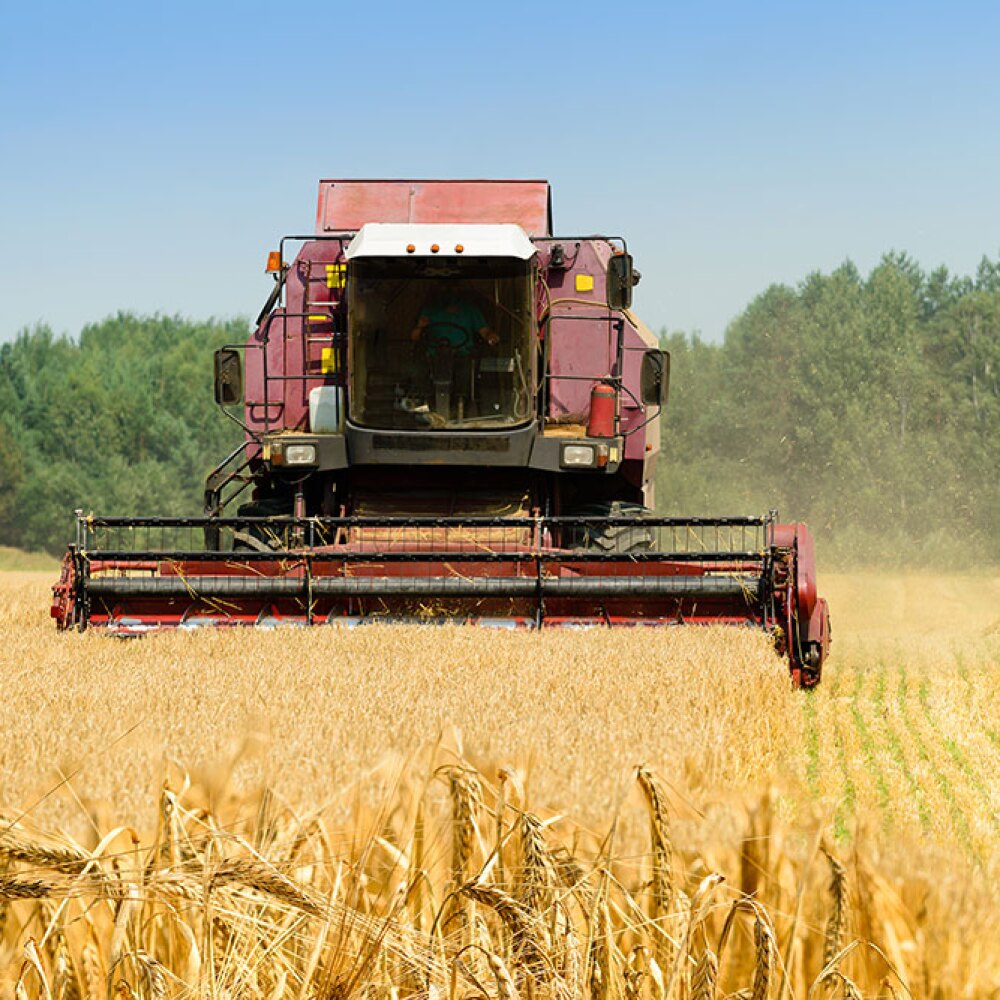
34,961
266,879
535,880
154,974
662,849
833,938
527,932
65,859
705,975
763,956
599,947
466,798
506,990
635,973
91,972
25,887
65,983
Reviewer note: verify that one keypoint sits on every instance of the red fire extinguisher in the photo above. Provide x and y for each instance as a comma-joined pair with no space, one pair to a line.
603,404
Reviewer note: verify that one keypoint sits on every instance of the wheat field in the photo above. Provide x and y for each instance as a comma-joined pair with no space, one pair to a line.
409,811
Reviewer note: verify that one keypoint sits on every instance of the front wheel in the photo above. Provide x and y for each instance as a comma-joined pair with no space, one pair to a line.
812,665
623,538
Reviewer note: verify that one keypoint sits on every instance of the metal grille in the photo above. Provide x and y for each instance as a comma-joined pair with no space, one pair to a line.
401,539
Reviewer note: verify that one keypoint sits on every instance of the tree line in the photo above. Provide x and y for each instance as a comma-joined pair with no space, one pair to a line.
868,406
120,420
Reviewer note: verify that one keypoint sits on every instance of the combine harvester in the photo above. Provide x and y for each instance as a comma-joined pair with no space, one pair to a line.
448,414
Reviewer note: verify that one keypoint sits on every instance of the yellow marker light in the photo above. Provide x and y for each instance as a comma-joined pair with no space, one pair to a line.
273,262
584,282
434,248
459,248
410,248
335,275
328,360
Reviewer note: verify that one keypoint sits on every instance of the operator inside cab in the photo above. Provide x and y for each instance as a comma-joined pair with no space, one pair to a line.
450,331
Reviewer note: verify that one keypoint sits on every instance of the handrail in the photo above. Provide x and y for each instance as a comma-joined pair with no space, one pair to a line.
219,478
615,377
336,337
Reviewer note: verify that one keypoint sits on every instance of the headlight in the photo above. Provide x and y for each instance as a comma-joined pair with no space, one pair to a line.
300,454
581,456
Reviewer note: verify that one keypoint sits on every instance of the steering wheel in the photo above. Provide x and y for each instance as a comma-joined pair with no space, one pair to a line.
467,341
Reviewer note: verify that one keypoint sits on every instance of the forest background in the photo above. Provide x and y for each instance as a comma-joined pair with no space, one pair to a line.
867,406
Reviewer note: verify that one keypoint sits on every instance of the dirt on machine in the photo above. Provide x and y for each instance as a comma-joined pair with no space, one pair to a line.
448,413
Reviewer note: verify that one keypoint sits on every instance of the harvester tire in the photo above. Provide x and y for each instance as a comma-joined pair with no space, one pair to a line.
254,536
245,541
614,537
812,665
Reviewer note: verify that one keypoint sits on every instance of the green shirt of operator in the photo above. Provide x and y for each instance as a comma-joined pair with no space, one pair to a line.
456,324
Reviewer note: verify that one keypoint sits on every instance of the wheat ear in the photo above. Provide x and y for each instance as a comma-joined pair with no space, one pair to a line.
833,939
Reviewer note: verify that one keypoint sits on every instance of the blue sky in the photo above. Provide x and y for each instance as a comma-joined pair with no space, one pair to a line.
150,155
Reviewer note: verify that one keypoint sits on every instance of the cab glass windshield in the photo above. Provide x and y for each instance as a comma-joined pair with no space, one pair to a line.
438,343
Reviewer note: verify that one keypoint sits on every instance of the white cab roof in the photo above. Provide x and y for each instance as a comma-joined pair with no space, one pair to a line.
390,239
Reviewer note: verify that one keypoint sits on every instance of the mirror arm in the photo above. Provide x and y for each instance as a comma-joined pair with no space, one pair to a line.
645,423
239,423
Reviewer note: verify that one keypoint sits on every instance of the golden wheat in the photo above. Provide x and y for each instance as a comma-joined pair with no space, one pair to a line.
228,921
263,814
309,710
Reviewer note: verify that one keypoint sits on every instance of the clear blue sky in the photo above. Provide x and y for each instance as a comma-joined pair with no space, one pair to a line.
150,154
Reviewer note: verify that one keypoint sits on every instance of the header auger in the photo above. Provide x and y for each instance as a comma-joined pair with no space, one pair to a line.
449,414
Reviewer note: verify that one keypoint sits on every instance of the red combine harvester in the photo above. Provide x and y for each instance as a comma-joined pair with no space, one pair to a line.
449,414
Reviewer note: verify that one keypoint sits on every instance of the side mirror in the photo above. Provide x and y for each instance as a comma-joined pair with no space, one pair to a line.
620,281
654,378
228,376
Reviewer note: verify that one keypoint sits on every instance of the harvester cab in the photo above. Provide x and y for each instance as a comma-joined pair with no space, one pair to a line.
441,342
448,413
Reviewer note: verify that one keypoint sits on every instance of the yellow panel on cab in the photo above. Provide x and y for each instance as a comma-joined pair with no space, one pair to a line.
584,282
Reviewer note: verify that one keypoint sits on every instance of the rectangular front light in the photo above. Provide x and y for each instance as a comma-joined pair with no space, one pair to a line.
581,456
300,454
